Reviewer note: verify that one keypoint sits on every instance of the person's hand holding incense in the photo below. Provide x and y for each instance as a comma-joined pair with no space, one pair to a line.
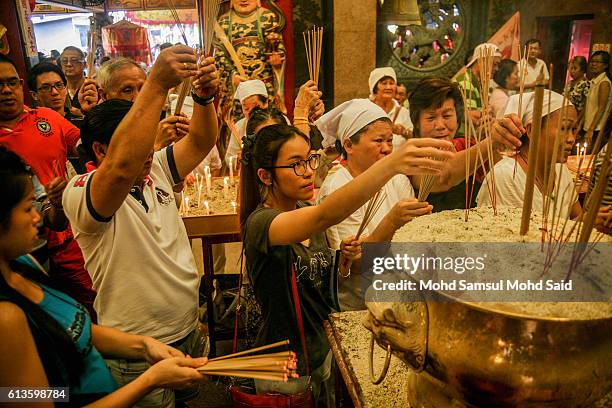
422,156
476,116
351,248
175,372
54,189
88,95
206,79
155,350
170,130
307,98
316,111
405,210
507,131
172,66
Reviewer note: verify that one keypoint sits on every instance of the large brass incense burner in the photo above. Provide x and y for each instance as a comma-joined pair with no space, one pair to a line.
468,355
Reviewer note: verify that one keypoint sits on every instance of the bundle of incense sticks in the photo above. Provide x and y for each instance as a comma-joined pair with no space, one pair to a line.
485,64
91,47
177,20
210,10
427,183
279,366
184,89
372,208
313,41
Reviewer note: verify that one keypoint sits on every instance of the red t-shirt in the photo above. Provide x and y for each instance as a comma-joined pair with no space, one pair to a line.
41,137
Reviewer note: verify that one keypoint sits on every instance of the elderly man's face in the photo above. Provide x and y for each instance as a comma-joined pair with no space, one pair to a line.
11,92
72,63
400,94
125,84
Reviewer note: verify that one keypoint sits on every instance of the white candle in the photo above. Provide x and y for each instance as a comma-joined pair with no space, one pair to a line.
208,184
231,169
226,187
207,170
186,205
199,194
206,207
234,206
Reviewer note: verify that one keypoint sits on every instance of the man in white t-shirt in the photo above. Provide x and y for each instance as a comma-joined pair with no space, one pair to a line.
365,132
533,65
126,221
251,94
383,87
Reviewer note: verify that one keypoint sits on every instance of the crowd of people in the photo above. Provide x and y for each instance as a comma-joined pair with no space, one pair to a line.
99,288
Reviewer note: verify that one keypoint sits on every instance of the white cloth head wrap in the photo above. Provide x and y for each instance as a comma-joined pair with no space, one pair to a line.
556,103
347,119
481,50
250,88
378,74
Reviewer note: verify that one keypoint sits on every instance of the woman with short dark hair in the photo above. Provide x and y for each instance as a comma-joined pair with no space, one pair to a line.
507,80
578,87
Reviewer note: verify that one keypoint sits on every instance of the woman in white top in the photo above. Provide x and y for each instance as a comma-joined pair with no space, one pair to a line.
383,86
599,97
507,80
511,172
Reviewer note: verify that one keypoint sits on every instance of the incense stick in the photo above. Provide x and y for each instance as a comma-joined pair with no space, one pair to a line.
177,20
211,10
91,47
533,155
313,43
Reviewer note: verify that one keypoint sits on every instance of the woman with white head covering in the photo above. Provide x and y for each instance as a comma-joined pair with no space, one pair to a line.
251,94
363,132
511,172
383,86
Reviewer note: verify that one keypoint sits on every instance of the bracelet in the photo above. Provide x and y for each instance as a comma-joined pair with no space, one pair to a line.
300,118
202,101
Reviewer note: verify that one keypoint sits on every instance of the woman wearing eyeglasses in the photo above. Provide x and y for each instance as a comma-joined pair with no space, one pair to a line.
281,231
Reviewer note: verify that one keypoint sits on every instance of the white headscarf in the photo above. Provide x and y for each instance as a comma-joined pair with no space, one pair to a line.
481,50
378,74
250,88
556,103
347,119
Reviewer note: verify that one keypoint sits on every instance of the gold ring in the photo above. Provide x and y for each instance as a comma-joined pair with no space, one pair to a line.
383,373
184,65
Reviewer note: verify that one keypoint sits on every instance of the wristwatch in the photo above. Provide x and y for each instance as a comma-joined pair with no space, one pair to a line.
202,101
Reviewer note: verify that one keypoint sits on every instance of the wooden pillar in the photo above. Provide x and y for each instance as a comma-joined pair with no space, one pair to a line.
354,48
9,17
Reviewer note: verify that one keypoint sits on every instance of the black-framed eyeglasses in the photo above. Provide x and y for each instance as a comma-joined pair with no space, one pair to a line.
12,83
300,166
71,61
596,62
46,88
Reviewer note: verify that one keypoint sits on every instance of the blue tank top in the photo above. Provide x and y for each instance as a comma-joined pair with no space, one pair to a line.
72,316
